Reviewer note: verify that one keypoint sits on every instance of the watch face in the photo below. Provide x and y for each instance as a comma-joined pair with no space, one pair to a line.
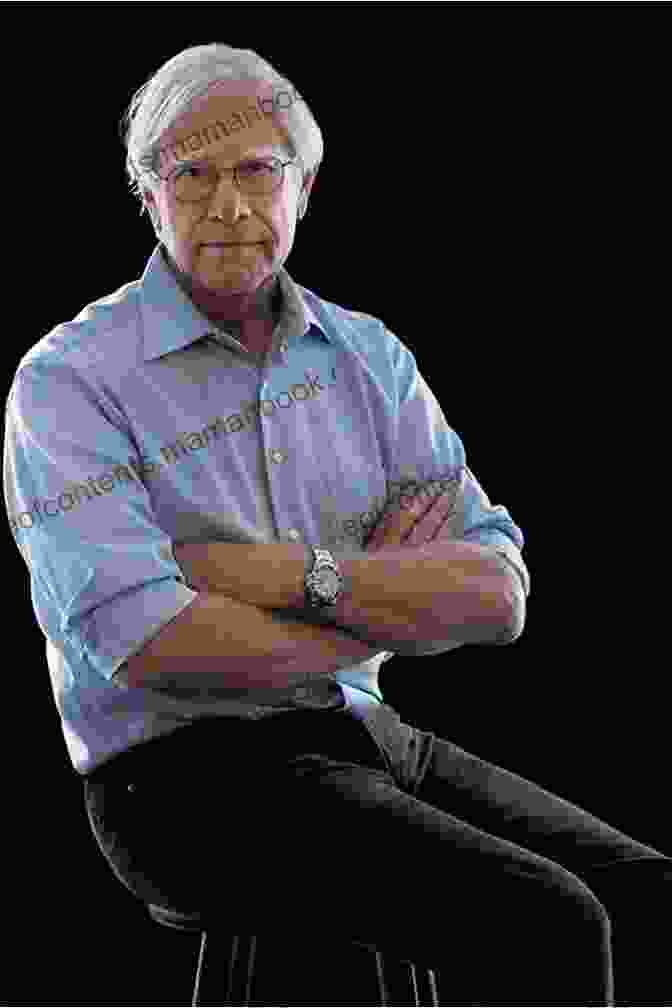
330,582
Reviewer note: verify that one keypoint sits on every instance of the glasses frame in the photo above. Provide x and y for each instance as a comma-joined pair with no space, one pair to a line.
170,178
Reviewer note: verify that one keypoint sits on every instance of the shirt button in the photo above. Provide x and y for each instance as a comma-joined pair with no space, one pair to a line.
277,455
294,534
284,346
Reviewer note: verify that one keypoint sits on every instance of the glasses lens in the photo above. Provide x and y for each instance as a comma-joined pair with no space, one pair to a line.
198,180
259,177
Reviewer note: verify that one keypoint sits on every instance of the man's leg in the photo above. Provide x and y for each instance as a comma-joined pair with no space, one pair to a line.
497,921
632,881
314,834
638,895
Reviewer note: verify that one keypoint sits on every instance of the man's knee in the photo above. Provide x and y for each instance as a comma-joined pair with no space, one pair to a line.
569,901
537,898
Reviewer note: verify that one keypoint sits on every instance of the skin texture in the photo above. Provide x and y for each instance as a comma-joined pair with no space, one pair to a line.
233,287
413,522
420,519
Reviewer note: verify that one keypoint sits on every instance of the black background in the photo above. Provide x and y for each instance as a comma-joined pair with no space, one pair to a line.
521,287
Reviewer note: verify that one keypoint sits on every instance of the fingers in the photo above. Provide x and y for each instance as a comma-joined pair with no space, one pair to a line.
395,526
416,520
390,528
381,534
428,525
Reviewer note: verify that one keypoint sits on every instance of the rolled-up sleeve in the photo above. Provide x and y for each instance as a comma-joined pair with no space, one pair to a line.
430,456
103,575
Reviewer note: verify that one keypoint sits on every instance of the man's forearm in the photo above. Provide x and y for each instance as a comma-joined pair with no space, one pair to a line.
446,590
217,644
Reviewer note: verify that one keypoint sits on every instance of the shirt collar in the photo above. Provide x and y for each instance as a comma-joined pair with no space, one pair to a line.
172,321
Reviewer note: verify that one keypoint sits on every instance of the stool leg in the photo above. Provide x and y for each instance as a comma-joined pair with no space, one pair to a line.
414,983
419,984
401,982
240,973
428,993
247,958
233,959
251,956
199,969
384,996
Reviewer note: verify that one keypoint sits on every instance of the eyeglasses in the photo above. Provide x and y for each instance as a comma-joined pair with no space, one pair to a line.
197,180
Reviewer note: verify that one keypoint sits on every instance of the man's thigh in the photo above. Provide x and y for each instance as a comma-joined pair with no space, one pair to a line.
509,806
343,821
388,867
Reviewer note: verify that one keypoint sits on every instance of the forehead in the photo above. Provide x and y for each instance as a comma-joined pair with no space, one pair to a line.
226,125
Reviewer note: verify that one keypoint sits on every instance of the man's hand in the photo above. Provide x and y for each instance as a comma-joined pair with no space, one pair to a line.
413,522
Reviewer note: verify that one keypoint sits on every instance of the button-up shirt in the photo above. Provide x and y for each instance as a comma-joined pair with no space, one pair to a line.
139,425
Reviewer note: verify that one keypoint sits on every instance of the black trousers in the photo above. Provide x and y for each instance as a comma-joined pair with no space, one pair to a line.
385,831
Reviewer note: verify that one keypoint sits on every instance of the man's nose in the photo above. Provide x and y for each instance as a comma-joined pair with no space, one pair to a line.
227,201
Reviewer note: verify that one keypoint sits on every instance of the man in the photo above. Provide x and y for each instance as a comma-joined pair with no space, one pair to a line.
235,501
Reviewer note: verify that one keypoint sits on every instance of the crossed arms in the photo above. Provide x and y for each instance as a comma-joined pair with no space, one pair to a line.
250,610
394,598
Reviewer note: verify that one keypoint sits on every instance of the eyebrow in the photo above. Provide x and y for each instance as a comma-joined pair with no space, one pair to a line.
271,151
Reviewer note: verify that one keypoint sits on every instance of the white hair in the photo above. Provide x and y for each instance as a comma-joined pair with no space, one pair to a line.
165,96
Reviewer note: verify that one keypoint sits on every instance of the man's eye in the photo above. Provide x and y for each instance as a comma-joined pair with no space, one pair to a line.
255,168
180,171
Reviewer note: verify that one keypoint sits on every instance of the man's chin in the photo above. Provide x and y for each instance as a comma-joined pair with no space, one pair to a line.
226,281
210,279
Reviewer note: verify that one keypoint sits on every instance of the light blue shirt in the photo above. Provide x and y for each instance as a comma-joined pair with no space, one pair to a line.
139,425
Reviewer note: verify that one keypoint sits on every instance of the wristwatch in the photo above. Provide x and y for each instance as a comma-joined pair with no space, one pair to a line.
323,582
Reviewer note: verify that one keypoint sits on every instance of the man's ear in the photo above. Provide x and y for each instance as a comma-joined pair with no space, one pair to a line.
152,208
308,185
181,557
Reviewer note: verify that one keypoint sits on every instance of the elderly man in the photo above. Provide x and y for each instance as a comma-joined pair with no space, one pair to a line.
235,500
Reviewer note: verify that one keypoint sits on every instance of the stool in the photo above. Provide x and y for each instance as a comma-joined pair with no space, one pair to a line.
398,983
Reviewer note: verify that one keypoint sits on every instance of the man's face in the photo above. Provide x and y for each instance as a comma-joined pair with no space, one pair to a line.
258,228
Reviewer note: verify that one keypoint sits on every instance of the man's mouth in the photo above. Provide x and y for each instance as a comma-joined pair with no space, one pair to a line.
227,244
